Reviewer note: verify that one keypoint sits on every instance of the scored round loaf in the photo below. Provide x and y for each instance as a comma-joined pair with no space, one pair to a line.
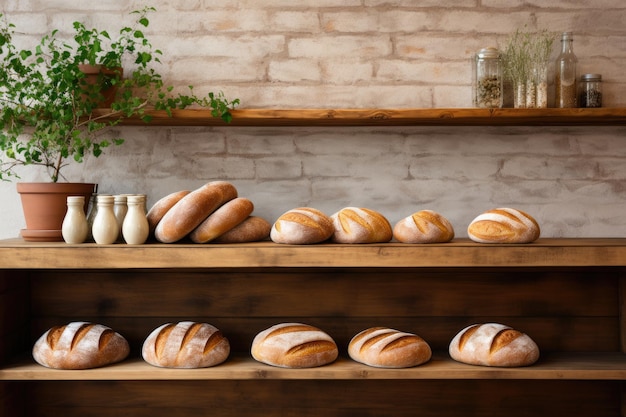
360,225
424,226
493,344
229,215
504,225
252,229
192,209
294,345
80,345
186,344
162,206
302,226
389,348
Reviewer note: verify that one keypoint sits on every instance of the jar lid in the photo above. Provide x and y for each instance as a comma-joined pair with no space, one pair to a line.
591,77
489,52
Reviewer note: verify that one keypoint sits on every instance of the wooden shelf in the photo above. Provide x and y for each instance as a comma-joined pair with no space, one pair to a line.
18,254
390,117
563,366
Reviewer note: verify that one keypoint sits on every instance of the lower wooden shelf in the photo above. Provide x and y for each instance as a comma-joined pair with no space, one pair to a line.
555,366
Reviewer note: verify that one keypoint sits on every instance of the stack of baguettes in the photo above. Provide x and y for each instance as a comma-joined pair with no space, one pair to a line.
211,213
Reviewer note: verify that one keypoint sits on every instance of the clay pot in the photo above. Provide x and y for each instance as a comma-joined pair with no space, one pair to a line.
44,205
95,74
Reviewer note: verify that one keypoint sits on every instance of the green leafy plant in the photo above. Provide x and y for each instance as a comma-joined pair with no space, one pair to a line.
50,112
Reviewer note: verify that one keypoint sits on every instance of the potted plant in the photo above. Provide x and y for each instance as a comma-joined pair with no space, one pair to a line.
48,103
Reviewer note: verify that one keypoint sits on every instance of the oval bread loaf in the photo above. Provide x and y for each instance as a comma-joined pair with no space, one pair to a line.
360,225
294,345
388,348
302,226
229,215
80,345
504,225
162,206
193,209
186,344
425,226
252,229
493,344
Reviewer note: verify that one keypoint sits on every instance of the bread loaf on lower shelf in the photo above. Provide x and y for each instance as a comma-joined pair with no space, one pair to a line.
424,226
389,348
504,225
360,225
302,226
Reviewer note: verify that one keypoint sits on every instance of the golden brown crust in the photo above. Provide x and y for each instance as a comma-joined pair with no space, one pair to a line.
302,226
251,229
162,206
425,226
226,217
389,348
360,225
504,225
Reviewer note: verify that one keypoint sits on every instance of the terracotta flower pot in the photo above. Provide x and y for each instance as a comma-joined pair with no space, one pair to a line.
92,74
44,205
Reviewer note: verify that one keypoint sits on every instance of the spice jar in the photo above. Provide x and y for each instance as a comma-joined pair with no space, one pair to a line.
488,78
591,90
565,77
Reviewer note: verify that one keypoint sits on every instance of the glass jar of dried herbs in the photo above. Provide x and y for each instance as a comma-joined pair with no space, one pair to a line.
488,78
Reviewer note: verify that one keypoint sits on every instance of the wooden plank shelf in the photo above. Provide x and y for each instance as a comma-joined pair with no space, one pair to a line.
562,366
18,254
388,117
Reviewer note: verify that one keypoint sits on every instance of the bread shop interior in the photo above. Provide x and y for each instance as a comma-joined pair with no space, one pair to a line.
418,208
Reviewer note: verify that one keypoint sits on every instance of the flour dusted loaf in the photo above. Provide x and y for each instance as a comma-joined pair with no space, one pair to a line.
360,225
80,345
504,225
425,226
493,344
302,226
389,348
193,209
186,344
252,229
294,345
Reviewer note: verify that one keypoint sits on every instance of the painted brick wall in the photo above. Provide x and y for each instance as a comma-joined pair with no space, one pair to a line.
361,53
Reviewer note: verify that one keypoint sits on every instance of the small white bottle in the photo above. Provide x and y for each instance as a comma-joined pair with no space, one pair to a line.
135,228
105,229
120,209
75,228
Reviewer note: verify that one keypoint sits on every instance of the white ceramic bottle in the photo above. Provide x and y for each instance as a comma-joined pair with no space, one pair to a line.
105,229
120,208
135,228
75,228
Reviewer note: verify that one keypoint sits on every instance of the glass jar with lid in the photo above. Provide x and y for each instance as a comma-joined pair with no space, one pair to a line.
488,78
590,90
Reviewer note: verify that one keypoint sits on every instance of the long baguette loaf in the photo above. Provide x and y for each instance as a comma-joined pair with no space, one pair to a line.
192,209
252,229
388,348
80,345
186,344
493,344
222,220
302,226
162,206
424,226
294,345
360,225
504,225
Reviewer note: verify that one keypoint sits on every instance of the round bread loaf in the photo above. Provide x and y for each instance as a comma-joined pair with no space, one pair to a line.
504,225
222,220
158,209
388,348
294,345
360,225
252,229
302,226
80,345
186,344
493,344
192,209
425,226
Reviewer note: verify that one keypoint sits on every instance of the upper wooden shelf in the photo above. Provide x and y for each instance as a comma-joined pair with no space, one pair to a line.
18,254
392,117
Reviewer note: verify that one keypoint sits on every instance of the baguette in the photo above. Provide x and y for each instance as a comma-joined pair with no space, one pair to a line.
80,345
493,344
425,226
186,344
360,225
252,229
222,220
294,345
158,209
302,226
388,348
192,209
504,225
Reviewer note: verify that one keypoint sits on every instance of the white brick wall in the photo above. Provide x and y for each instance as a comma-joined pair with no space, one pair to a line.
360,53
